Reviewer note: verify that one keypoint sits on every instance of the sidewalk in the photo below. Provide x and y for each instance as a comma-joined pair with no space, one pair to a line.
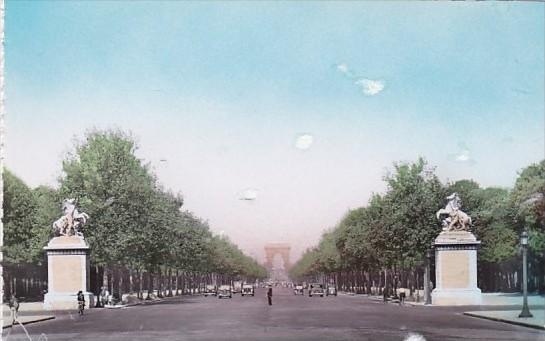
29,312
511,316
26,320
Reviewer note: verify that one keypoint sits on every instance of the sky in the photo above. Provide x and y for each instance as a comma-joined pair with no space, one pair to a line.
275,118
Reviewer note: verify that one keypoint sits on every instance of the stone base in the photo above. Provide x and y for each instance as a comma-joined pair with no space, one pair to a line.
456,297
456,269
67,301
67,273
455,237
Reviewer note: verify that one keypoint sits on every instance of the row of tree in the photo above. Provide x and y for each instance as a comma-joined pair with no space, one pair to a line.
140,236
384,245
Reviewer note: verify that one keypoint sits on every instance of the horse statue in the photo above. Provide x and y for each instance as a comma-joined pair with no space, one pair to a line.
456,219
71,222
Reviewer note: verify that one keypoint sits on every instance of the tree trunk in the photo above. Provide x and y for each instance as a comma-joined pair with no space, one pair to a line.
150,285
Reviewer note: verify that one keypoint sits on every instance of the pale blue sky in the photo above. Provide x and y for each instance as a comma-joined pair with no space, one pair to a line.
222,90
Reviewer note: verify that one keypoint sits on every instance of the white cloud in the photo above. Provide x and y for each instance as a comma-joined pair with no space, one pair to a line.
370,87
249,194
304,141
463,156
343,68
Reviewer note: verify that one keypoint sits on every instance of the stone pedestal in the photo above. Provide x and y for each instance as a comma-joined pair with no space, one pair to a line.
67,273
456,269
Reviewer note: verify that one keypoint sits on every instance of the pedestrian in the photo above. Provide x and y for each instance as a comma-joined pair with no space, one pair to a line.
269,294
81,302
402,297
14,308
103,296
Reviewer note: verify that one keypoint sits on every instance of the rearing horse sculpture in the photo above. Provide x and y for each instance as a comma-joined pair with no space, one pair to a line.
457,220
71,221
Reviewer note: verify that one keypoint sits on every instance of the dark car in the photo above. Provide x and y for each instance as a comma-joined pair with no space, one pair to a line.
210,290
316,289
248,290
298,290
331,290
225,291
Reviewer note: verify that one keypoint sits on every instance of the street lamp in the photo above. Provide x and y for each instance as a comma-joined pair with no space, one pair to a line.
427,287
524,243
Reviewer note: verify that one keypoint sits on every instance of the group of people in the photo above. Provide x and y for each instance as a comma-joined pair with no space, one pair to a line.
103,299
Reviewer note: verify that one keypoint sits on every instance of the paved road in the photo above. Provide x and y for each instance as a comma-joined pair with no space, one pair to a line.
290,318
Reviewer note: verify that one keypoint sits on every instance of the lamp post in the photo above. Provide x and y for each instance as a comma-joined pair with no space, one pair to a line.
524,243
427,288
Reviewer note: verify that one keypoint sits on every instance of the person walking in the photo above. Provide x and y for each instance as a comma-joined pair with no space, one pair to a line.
81,302
14,308
269,294
402,296
103,296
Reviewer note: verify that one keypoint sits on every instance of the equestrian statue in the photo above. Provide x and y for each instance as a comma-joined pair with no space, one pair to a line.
452,217
72,221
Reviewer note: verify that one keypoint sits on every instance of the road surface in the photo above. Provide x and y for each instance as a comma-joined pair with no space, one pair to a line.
289,318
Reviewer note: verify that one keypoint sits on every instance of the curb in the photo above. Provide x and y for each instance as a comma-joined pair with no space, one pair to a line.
143,302
499,319
396,302
41,319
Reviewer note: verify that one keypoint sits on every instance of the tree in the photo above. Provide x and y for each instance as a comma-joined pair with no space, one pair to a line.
493,225
528,199
413,197
48,209
469,192
19,219
114,188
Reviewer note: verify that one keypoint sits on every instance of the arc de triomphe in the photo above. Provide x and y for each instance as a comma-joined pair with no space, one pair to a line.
281,249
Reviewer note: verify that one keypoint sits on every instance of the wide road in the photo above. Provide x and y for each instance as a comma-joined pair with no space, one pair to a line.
289,318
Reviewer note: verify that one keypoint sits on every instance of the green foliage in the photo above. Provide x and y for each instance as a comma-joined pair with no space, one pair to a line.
395,229
133,222
493,224
136,223
469,192
353,239
19,219
414,195
47,211
499,243
528,201
117,192
229,260
306,266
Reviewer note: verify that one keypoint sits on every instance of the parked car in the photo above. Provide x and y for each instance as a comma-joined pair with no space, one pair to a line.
331,290
247,290
316,289
225,291
210,290
298,290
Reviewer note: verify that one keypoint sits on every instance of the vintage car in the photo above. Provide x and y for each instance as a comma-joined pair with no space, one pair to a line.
236,287
298,290
210,290
225,291
247,290
316,289
331,290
